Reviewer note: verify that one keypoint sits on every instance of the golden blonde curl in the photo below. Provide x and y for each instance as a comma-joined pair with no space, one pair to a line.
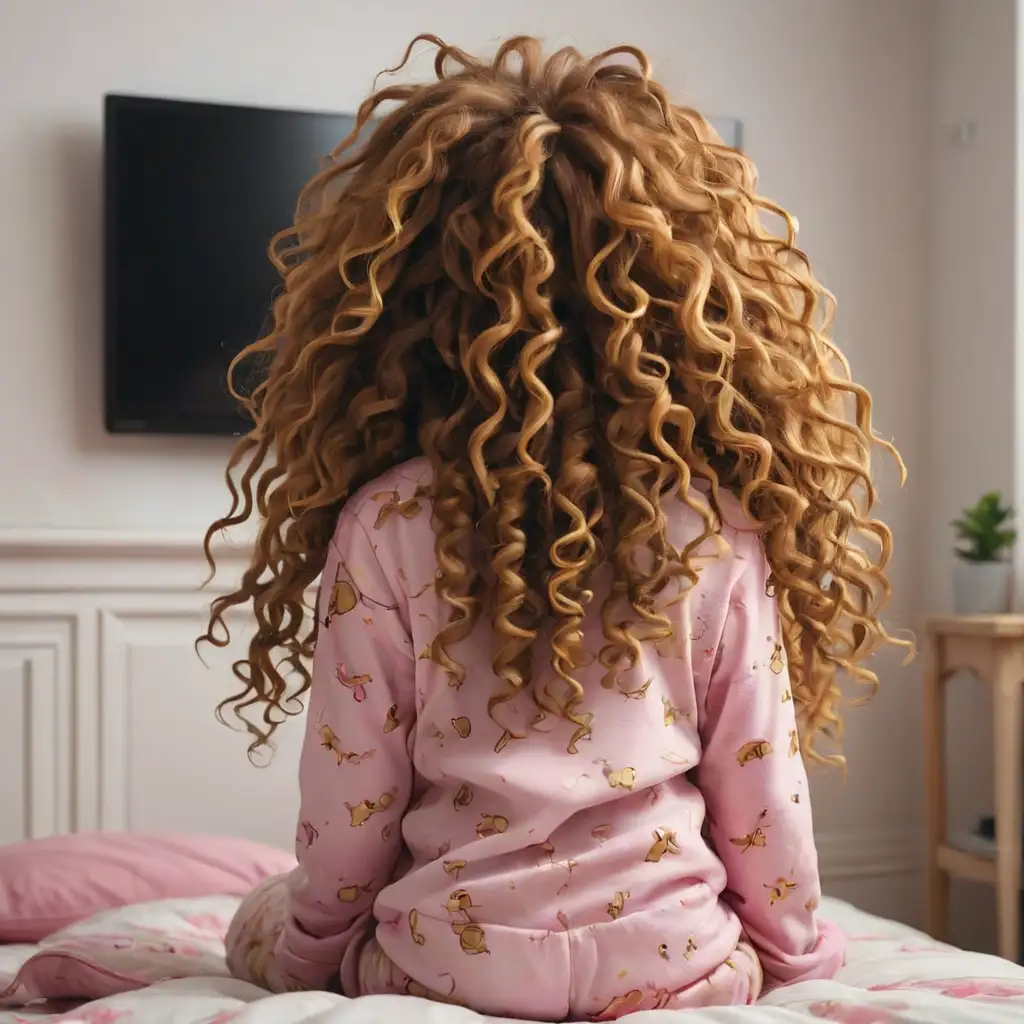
553,283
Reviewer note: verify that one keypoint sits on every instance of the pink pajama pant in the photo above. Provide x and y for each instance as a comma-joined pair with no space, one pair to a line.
260,921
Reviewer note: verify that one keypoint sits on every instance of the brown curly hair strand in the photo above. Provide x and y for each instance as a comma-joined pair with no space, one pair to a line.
556,285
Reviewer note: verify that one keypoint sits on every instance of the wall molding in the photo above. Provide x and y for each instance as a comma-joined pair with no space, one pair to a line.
71,543
81,561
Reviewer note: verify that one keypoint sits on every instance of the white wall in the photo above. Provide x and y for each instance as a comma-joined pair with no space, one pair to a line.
969,382
834,100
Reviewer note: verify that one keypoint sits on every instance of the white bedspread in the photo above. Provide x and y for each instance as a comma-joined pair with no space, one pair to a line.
894,975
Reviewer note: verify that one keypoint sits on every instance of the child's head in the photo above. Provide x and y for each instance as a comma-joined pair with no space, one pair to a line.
553,283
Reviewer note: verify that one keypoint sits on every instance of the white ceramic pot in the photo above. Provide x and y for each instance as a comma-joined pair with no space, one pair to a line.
982,588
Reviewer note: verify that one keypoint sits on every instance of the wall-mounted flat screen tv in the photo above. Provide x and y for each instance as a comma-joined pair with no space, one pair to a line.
194,192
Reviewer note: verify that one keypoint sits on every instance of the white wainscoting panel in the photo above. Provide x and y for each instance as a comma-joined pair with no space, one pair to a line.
35,727
107,712
166,761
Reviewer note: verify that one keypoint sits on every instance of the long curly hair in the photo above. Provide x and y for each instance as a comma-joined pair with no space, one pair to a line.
554,284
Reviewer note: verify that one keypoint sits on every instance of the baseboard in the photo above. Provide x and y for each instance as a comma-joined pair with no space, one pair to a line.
870,854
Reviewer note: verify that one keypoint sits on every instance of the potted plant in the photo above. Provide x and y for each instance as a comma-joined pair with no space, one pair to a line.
981,583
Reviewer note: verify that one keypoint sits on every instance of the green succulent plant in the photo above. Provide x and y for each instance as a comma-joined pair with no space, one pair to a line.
985,529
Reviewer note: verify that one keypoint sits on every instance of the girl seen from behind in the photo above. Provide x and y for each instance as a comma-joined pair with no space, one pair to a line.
558,426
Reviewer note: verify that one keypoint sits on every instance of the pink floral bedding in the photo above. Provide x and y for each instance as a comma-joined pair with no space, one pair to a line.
163,963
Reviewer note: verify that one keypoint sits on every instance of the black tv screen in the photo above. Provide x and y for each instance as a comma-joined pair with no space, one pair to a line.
194,192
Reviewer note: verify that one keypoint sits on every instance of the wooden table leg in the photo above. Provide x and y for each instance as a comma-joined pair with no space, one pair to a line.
1008,699
935,785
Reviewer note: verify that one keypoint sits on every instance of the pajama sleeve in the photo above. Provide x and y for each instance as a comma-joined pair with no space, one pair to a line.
755,786
355,773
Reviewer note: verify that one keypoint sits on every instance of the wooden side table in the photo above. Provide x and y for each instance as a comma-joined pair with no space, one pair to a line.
992,647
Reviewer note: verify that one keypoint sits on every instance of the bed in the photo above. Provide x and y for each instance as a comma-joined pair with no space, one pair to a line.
163,963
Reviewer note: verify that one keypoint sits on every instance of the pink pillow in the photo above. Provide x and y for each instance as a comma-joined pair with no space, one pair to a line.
48,884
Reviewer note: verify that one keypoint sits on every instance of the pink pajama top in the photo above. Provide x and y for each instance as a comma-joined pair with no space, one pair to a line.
548,876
